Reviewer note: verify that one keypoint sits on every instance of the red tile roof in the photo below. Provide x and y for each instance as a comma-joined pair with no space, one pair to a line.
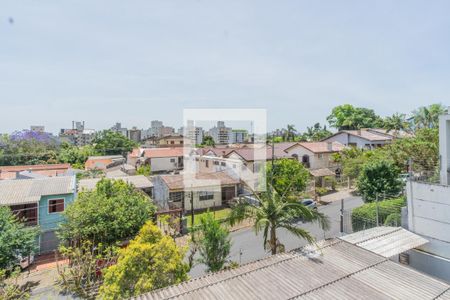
322,147
163,152
50,170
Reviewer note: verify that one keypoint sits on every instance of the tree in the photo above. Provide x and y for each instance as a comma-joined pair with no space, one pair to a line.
15,239
428,117
316,133
213,242
83,274
112,212
396,123
289,133
144,170
27,147
110,142
378,178
76,156
151,261
9,287
272,211
347,117
289,176
208,141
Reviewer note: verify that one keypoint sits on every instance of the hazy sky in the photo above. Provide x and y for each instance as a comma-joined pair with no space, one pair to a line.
135,61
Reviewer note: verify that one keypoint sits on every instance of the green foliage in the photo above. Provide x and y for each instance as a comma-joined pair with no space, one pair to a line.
428,117
316,133
15,239
109,142
389,211
214,242
111,213
321,191
347,117
83,275
396,123
289,133
151,261
271,212
9,287
208,141
289,176
27,151
144,170
378,178
76,156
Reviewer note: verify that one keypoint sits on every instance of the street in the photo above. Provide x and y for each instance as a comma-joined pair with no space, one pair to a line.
247,246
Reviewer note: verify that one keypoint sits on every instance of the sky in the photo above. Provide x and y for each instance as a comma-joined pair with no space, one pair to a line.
137,61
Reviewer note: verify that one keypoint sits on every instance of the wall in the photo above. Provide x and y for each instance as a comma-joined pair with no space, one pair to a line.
429,215
346,139
49,221
160,164
203,204
160,192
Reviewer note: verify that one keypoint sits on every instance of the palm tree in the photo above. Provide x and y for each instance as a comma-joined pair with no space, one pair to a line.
428,117
272,211
397,122
290,132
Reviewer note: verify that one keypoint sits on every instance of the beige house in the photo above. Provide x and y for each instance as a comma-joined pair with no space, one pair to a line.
207,190
315,155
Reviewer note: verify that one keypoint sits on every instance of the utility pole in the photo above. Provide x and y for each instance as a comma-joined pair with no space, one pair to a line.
192,209
378,215
342,217
273,160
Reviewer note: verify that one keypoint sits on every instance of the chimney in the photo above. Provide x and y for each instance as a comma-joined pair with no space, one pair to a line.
329,146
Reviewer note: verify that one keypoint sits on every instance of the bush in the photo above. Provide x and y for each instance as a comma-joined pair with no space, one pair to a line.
321,191
388,210
379,177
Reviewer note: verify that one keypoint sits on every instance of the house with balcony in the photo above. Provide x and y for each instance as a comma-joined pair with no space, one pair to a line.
428,213
40,202
206,190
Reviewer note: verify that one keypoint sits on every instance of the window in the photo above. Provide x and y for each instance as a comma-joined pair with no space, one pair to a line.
216,162
223,164
320,155
205,196
55,206
172,142
172,160
176,196
207,163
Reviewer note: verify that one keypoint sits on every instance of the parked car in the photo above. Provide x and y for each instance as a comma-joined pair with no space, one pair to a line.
310,203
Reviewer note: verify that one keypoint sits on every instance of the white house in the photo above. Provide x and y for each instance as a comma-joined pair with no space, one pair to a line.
428,213
366,138
161,160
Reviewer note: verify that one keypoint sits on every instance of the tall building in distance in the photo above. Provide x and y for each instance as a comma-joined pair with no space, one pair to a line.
78,135
220,133
134,134
37,128
118,128
157,129
239,136
192,134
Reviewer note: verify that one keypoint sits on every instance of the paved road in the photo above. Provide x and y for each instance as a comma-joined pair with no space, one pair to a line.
245,241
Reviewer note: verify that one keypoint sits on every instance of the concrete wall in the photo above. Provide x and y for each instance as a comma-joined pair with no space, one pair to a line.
429,215
163,164
430,264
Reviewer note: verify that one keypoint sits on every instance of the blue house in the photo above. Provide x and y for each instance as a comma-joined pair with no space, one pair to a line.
40,202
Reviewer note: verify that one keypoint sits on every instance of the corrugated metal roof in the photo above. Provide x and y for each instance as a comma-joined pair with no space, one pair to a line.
445,295
21,191
385,241
139,181
338,270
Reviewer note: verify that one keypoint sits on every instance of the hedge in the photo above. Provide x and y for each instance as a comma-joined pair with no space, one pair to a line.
389,214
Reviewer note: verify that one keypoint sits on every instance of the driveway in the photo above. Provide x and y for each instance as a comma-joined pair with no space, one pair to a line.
247,246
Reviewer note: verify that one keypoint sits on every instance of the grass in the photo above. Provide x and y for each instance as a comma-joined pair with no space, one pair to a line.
218,214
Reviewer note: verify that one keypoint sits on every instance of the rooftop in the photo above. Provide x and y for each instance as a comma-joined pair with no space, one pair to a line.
22,191
163,152
176,182
139,181
337,270
321,147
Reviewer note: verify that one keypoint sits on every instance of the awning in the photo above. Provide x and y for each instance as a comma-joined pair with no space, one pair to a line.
321,172
385,241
